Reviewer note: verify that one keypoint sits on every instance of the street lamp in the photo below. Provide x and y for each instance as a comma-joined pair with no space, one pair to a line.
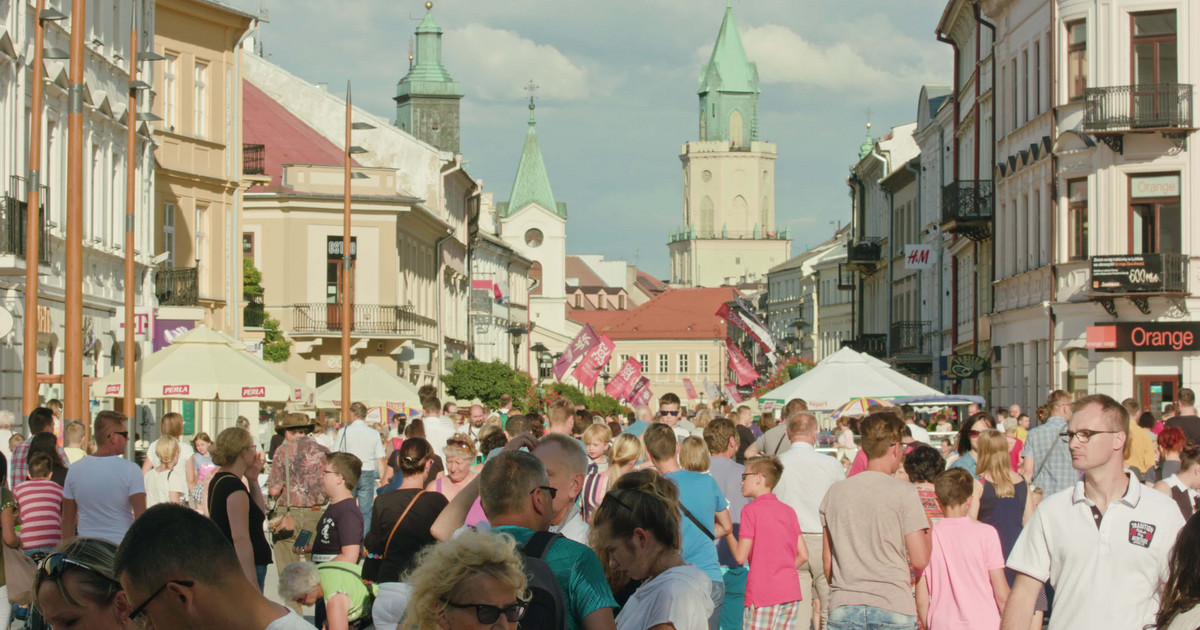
346,276
540,350
515,334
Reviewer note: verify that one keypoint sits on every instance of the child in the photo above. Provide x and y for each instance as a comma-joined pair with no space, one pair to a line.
596,438
964,584
41,507
772,542
74,447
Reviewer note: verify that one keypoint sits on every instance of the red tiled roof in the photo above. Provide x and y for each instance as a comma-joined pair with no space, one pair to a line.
286,138
673,314
578,269
649,283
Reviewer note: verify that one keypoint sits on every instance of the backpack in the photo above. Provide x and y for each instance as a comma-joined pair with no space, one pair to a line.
547,609
365,620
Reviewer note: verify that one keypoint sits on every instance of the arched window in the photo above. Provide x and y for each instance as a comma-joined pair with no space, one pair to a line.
735,128
706,218
766,223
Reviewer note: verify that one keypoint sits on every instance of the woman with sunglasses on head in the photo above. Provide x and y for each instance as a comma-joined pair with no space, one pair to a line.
470,582
76,587
637,528
460,456
967,435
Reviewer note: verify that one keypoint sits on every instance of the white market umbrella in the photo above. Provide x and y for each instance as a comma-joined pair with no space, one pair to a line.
203,364
846,375
373,386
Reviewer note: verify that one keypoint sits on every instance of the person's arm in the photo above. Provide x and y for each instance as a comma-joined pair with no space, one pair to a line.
237,510
919,544
137,502
454,515
600,619
724,524
252,484
922,595
147,466
976,494
1029,505
337,612
1018,609
827,556
752,451
662,626
70,517
175,497
190,467
739,549
349,554
999,588
384,471
8,522
1026,466
801,552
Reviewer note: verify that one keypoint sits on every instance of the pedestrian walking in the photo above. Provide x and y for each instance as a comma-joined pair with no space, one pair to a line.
104,492
238,507
365,443
297,469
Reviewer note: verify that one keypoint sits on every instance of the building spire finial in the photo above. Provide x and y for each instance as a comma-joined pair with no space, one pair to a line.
532,88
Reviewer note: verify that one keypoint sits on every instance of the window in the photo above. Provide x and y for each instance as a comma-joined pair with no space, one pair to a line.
621,302
702,363
1036,85
201,228
578,300
623,361
1076,59
333,265
248,246
1155,55
201,122
664,364
170,94
683,363
1077,219
1013,99
1026,115
169,232
1154,218
644,360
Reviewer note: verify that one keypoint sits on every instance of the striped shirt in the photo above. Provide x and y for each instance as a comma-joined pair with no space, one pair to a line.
40,504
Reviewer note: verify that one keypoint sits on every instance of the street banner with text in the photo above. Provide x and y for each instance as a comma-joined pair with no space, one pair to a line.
582,343
734,396
738,313
690,389
593,362
622,384
641,392
740,365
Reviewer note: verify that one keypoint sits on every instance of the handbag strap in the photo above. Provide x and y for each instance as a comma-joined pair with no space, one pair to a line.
1053,445
397,525
688,513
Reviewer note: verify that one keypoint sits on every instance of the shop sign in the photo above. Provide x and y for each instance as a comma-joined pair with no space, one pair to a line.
1145,336
1160,186
1132,273
333,247
918,256
960,366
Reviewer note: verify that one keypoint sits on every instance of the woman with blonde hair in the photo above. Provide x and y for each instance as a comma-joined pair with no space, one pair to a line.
460,456
626,451
163,484
701,419
172,425
236,506
77,586
473,580
693,454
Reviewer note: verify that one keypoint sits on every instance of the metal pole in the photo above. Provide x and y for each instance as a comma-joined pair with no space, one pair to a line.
33,222
129,391
73,324
347,277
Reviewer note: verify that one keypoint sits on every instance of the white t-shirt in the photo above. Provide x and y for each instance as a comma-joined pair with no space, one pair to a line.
160,485
185,453
438,429
290,621
807,476
681,596
1106,576
574,527
101,487
919,434
363,442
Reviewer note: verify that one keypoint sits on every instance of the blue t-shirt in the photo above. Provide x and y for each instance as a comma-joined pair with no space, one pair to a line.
702,497
966,462
578,571
637,428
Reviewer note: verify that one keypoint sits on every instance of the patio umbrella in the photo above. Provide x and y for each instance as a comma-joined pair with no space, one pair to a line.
203,364
374,387
846,375
856,407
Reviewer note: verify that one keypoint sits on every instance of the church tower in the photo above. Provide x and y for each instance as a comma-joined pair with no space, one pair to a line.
427,99
535,225
728,234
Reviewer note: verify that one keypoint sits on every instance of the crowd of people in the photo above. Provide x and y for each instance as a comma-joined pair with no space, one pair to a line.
695,520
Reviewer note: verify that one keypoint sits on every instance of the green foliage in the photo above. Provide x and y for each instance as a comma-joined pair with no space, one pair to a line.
276,347
252,291
605,405
568,391
485,381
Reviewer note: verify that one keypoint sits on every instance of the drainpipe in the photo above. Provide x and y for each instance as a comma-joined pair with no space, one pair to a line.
941,249
856,194
991,279
954,170
916,173
234,263
1051,355
441,339
946,40
885,165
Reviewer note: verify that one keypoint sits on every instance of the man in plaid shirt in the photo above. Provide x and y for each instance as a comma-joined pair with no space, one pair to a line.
41,420
1044,459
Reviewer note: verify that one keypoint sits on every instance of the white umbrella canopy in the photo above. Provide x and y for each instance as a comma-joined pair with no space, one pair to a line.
203,364
371,385
845,375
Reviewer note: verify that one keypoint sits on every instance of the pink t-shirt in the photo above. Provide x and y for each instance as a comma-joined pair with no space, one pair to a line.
960,589
773,578
859,465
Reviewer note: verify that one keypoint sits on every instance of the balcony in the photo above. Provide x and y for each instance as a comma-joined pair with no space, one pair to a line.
14,214
908,339
369,319
967,208
1137,277
1111,112
863,255
177,287
254,159
692,233
874,345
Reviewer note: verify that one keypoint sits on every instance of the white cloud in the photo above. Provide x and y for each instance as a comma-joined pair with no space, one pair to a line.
783,56
497,65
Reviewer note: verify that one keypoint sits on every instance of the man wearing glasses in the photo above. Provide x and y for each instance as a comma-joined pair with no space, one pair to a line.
1045,460
105,492
670,414
1102,545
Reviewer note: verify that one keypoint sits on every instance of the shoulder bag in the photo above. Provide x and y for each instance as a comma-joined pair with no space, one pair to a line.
370,567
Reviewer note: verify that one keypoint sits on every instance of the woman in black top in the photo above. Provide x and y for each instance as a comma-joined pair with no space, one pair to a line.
238,508
48,444
396,557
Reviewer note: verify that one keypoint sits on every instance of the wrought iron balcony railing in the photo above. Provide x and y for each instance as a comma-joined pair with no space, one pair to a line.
908,338
369,319
1151,106
253,159
14,215
177,287
872,344
867,250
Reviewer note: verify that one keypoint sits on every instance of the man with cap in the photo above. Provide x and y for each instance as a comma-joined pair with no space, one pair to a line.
296,471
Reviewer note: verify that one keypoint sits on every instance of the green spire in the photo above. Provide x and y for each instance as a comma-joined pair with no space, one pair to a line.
428,72
532,184
728,69
867,145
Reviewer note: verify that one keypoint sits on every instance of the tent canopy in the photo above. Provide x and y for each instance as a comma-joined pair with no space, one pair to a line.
845,375
373,386
203,364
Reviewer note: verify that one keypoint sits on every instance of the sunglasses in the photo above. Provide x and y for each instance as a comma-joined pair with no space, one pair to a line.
488,614
52,566
668,413
454,442
553,492
138,612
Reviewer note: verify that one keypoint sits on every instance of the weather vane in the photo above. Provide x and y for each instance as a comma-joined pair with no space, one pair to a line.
531,88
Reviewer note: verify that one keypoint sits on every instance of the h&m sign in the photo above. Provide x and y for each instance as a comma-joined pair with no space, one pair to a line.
918,256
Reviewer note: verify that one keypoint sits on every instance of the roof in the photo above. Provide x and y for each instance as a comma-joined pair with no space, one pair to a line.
286,139
428,75
650,284
728,69
936,95
674,314
532,184
584,275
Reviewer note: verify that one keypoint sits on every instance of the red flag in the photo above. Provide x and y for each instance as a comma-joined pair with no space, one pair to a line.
622,384
582,343
732,392
690,389
641,393
589,368
741,367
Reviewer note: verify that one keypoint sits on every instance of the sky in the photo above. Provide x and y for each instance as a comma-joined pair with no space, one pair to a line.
617,94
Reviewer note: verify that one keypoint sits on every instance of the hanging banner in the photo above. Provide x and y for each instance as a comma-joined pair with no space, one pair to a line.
732,392
714,392
738,313
918,257
582,343
690,389
641,392
622,384
593,362
740,366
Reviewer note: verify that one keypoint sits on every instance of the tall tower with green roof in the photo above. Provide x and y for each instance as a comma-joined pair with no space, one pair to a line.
728,235
427,99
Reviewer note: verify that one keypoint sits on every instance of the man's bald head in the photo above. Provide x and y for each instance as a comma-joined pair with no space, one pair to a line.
802,425
643,413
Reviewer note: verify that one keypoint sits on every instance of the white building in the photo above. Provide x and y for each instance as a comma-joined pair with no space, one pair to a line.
794,297
835,299
499,290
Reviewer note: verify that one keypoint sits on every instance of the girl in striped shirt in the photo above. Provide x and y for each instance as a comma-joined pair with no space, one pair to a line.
39,502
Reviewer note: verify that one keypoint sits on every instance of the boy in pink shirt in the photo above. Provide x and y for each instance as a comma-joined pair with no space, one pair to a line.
964,584
772,541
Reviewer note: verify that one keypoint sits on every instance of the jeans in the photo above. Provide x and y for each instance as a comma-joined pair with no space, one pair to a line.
718,598
869,618
365,493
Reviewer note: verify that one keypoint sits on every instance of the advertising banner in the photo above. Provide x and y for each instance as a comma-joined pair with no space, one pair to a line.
1145,336
1132,273
582,343
740,365
690,389
593,362
622,384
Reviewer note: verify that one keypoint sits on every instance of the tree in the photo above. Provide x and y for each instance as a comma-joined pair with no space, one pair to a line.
605,405
276,347
252,292
472,379
570,392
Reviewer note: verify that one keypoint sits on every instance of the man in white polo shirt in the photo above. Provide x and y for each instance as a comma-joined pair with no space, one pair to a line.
365,443
1103,544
